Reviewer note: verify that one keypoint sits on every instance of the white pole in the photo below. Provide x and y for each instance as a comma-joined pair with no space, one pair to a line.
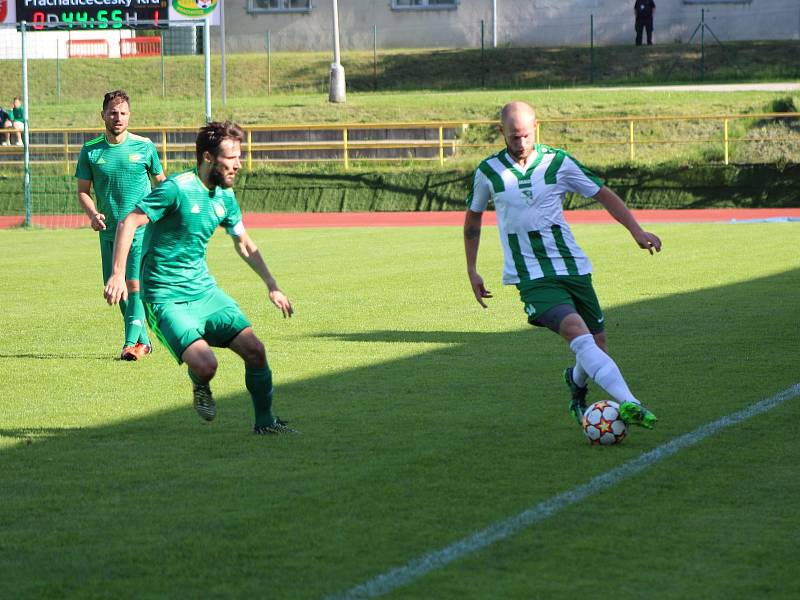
26,156
223,70
207,61
337,84
494,23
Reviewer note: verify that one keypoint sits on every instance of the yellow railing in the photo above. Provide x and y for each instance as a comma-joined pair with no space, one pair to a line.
544,126
348,142
62,145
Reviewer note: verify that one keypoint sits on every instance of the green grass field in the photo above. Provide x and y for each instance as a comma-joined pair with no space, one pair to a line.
424,419
371,107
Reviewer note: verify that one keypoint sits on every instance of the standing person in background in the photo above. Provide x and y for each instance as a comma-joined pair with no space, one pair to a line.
527,183
119,165
644,10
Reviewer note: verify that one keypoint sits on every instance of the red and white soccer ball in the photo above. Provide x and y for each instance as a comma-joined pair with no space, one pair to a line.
602,423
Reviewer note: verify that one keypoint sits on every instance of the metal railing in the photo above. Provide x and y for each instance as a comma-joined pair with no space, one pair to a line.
723,136
342,143
434,141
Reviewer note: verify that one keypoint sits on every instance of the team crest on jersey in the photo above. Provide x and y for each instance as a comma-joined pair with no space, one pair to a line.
526,189
219,210
96,156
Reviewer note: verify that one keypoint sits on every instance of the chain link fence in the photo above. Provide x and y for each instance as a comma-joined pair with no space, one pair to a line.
55,66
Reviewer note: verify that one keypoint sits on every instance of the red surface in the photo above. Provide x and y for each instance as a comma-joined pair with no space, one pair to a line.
421,219
448,219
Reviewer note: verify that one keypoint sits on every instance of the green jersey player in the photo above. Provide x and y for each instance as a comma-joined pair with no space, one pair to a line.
184,306
527,183
119,165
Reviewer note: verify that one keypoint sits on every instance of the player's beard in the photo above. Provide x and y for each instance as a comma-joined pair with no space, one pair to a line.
517,156
112,131
216,178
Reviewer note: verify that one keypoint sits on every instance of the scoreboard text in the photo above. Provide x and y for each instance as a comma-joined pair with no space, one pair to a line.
91,14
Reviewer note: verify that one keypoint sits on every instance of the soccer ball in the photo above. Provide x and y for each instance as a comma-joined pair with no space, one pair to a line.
602,423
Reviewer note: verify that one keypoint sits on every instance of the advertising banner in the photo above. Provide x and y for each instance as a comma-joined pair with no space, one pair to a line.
105,14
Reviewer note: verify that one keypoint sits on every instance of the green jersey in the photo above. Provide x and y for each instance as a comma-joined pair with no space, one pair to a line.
120,174
183,215
17,114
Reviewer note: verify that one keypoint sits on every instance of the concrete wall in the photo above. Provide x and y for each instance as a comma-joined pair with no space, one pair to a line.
519,23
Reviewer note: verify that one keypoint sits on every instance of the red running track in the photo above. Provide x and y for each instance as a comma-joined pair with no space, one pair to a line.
446,218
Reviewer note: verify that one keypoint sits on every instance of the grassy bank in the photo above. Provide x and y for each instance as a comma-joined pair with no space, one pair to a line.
251,75
294,89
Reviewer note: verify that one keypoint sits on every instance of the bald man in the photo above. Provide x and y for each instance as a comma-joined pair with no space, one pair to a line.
527,183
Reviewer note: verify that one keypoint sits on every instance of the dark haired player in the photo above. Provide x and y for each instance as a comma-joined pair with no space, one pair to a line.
185,308
119,165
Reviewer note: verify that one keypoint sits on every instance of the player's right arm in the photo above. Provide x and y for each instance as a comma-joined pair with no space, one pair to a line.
476,203
96,218
83,173
116,288
472,238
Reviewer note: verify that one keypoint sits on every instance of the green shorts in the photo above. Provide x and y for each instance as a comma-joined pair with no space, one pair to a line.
540,295
215,317
134,264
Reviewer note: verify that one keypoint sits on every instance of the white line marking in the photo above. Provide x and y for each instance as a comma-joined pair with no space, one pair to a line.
421,566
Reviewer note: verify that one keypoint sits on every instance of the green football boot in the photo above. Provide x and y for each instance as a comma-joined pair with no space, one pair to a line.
636,414
577,403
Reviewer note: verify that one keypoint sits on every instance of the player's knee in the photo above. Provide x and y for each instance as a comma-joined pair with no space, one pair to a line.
572,326
206,367
255,354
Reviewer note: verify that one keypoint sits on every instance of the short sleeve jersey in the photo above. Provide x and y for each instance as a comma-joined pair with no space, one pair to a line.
537,241
120,174
183,214
17,113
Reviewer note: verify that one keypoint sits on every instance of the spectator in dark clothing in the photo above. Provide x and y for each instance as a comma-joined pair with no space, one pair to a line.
644,11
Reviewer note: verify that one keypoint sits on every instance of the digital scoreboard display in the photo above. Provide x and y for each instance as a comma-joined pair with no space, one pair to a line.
92,14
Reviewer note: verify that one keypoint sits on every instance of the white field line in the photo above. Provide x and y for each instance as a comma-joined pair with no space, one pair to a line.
419,567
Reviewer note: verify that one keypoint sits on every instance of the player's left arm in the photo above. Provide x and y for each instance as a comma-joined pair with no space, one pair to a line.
617,209
154,167
247,249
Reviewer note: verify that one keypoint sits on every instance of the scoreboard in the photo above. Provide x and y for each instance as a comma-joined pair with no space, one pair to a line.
92,14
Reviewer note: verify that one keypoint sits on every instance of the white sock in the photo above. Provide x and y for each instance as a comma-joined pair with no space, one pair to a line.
601,368
579,375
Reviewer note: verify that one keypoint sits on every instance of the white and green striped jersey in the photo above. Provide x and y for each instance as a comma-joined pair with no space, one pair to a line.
536,240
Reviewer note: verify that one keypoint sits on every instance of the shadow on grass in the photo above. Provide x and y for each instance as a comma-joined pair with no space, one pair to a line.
354,191
396,458
28,433
60,356
536,68
700,186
